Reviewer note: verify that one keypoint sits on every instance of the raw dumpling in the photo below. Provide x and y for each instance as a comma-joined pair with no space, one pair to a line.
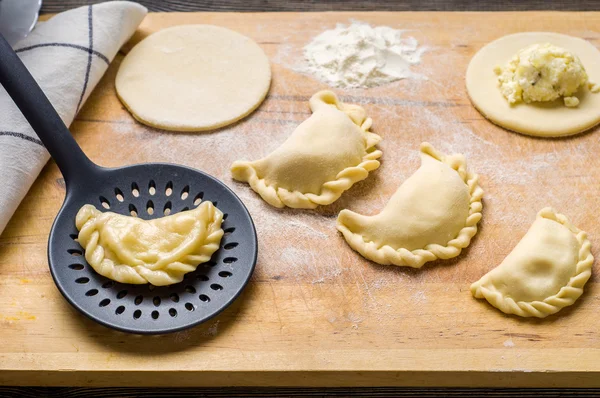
545,272
323,157
160,251
434,214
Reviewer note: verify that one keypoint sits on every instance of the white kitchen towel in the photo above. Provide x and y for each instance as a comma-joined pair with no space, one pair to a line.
67,55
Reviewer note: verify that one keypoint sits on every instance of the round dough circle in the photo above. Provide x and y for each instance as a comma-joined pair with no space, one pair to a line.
193,78
550,119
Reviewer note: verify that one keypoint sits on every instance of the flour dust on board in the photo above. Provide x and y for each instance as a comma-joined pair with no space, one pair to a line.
359,55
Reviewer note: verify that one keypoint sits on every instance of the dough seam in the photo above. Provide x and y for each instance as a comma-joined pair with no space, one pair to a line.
565,297
386,254
330,190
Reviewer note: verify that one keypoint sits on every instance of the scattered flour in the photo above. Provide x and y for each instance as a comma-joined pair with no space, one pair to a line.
380,283
212,329
330,274
360,55
182,336
419,297
508,343
354,319
307,228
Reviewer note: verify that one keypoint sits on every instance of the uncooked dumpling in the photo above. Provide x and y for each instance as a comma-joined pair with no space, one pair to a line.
160,251
434,214
323,157
544,273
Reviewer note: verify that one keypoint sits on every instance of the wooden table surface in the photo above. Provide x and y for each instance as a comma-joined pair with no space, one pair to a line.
272,117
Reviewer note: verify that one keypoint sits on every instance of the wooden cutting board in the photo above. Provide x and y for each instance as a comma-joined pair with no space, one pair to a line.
315,312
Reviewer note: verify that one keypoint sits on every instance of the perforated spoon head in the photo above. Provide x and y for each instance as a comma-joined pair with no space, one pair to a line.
150,191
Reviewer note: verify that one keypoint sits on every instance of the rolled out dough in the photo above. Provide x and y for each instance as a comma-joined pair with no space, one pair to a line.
193,78
551,119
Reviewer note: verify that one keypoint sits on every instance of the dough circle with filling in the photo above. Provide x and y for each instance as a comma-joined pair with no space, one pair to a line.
193,78
551,119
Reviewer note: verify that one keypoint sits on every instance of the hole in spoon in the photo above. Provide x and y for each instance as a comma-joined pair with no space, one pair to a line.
190,289
135,190
173,312
152,187
204,298
120,309
137,314
169,188
132,210
75,252
105,203
119,195
185,192
198,198
150,207
174,297
167,209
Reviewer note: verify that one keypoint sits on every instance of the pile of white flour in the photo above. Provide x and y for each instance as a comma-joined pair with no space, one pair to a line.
360,55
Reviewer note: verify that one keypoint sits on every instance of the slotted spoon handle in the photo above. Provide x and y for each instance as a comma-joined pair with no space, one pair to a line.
43,118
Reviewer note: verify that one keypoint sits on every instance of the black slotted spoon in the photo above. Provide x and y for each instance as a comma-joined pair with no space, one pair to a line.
147,191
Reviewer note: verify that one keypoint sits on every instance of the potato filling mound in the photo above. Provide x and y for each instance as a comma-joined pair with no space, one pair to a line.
542,73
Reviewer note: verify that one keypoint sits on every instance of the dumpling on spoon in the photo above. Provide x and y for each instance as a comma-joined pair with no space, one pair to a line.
545,272
433,214
324,156
160,251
